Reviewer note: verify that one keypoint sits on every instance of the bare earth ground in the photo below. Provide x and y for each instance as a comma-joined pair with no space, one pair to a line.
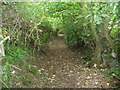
61,68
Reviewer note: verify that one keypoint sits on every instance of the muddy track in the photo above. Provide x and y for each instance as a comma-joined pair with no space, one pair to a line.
60,67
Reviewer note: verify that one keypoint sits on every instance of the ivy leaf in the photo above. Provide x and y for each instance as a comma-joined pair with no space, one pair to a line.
1,7
88,16
1,37
88,35
98,22
104,15
95,8
104,9
97,18
4,29
80,16
86,23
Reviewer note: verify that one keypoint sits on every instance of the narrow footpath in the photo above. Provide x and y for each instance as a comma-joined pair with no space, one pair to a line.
60,67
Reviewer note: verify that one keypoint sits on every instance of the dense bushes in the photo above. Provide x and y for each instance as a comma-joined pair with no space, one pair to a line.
76,36
6,76
76,33
89,26
14,56
25,30
113,74
72,34
81,28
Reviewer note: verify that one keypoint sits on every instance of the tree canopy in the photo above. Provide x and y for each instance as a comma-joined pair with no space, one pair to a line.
91,28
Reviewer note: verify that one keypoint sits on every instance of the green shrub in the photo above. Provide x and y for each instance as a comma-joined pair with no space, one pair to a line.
6,76
75,36
14,54
71,34
113,73
31,68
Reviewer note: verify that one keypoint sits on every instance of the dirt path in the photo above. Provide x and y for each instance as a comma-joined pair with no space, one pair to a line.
60,67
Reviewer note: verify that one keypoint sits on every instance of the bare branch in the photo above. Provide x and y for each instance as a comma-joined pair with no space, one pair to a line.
4,83
15,67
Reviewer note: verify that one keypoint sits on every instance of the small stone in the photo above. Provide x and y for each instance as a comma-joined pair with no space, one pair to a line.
108,84
60,56
42,69
113,74
39,70
71,71
53,75
18,83
41,57
95,65
78,83
95,74
96,83
13,72
88,77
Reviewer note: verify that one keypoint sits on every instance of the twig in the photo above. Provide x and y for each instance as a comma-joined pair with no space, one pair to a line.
15,67
4,83
4,40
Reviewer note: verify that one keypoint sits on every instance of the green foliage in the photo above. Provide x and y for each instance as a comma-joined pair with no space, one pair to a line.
14,54
26,80
66,16
6,76
87,61
31,68
72,34
113,73
75,35
74,19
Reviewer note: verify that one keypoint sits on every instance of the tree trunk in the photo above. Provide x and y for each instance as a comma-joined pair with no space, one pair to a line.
0,48
97,55
98,49
104,30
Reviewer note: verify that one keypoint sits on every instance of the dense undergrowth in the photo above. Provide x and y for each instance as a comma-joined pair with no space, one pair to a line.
90,29
14,56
